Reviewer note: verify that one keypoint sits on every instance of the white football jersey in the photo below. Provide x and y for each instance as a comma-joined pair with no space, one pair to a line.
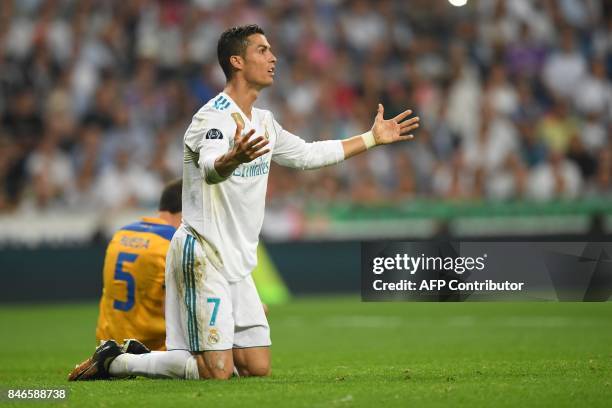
228,213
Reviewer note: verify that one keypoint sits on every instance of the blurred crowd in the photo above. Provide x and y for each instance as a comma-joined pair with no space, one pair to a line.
515,96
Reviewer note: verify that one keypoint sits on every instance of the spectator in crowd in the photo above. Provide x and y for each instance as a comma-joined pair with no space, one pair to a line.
595,95
123,184
558,178
50,173
558,126
565,68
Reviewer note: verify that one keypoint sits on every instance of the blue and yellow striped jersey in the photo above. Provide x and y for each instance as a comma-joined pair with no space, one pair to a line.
132,304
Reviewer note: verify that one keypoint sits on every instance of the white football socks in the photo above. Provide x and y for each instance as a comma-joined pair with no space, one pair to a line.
157,364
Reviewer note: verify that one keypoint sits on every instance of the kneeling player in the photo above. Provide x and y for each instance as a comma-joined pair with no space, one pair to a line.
214,318
132,303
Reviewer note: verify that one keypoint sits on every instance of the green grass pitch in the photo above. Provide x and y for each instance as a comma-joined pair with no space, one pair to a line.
339,352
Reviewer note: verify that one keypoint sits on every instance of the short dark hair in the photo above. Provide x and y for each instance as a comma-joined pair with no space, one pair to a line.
234,41
171,198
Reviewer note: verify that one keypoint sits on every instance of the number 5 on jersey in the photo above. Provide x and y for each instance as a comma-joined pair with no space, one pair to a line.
123,275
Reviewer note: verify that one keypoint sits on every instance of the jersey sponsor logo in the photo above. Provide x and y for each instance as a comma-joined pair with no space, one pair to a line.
214,134
221,103
252,169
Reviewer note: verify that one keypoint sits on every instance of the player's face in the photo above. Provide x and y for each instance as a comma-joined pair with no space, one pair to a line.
259,62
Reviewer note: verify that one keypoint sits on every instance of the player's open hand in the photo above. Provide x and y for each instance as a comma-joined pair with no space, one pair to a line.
246,150
394,130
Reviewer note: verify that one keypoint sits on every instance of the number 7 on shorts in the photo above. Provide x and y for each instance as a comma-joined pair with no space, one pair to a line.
213,317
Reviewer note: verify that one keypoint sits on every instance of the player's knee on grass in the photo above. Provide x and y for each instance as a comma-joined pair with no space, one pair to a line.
260,369
218,365
253,362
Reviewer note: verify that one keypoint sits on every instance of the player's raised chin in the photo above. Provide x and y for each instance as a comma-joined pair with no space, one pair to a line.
258,64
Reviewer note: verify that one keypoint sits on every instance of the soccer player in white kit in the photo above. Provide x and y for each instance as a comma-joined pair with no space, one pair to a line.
215,322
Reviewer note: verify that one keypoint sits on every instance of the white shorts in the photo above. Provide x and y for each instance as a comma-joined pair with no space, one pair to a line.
205,312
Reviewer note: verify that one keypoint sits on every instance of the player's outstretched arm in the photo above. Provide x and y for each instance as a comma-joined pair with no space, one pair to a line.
383,132
243,151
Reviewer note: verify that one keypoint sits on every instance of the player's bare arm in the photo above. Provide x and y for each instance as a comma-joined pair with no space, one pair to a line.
383,131
244,151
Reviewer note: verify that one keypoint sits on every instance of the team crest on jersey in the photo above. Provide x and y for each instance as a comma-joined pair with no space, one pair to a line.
214,134
213,336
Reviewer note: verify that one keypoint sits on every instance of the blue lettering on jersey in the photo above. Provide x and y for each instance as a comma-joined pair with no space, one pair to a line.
214,134
221,103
